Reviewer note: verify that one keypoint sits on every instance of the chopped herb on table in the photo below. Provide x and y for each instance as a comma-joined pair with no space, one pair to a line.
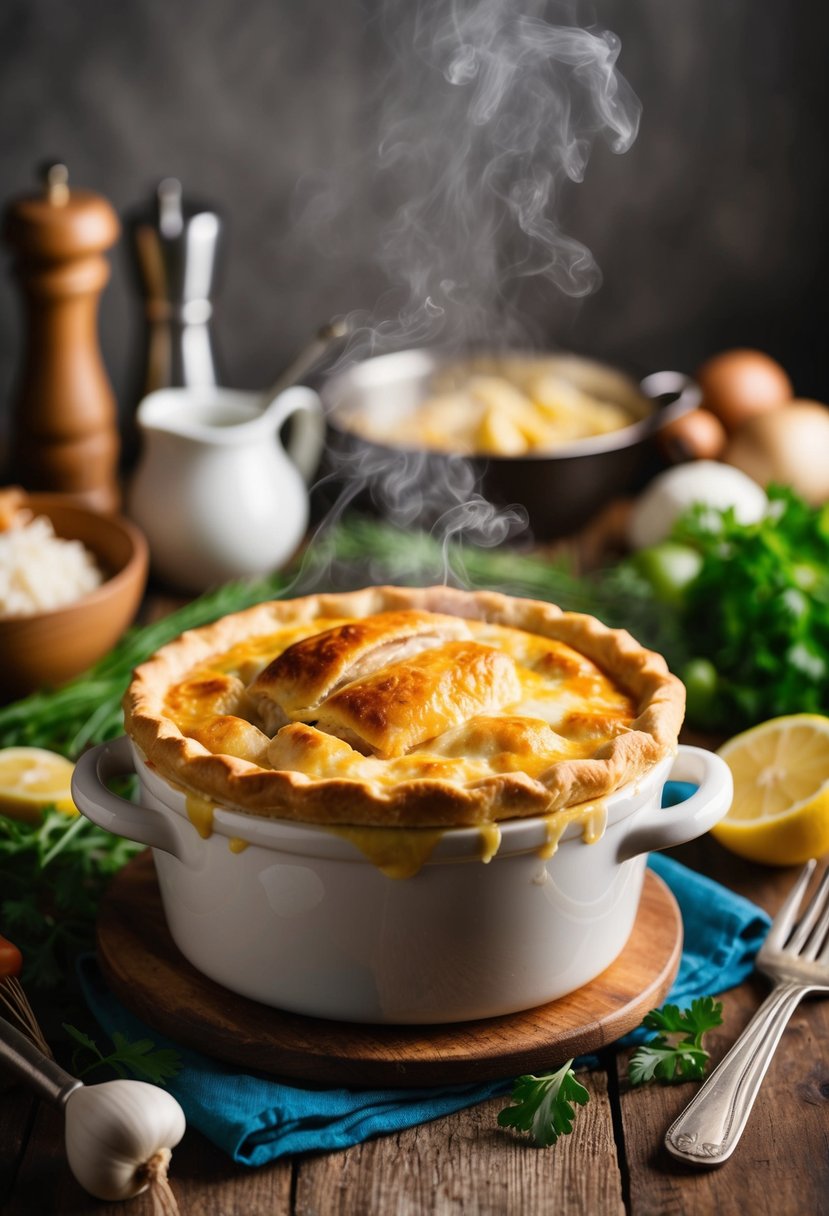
140,1058
543,1106
676,1053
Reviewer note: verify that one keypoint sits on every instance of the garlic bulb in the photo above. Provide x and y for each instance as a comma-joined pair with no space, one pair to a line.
119,1135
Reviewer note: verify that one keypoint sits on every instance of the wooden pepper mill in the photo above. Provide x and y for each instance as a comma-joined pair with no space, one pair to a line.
64,433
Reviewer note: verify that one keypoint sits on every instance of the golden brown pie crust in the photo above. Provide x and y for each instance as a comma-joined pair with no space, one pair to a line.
424,801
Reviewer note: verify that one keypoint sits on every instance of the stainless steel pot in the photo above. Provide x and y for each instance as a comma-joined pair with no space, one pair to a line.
560,490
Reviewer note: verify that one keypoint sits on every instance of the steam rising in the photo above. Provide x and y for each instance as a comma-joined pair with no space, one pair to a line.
489,108
488,111
412,489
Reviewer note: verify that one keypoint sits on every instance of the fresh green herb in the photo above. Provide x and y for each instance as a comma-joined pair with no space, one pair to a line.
756,611
52,876
759,608
676,1053
141,1059
543,1106
364,550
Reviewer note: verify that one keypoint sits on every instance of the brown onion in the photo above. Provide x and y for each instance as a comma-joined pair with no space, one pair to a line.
698,435
738,384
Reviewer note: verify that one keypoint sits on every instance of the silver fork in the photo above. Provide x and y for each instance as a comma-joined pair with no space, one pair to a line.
795,955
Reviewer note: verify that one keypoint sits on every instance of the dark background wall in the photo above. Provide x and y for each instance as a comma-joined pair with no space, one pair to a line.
709,232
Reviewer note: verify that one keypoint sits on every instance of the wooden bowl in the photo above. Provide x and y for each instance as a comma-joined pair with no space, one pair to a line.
45,649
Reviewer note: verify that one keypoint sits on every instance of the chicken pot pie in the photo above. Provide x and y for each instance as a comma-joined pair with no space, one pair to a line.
403,707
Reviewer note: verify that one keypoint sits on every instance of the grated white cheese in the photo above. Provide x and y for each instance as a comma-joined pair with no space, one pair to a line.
40,571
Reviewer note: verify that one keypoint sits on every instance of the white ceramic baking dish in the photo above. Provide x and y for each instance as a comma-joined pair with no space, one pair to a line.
300,919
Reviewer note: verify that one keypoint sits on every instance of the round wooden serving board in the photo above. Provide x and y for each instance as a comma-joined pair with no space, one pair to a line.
148,973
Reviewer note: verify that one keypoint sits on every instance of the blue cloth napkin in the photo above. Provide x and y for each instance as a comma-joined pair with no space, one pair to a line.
256,1120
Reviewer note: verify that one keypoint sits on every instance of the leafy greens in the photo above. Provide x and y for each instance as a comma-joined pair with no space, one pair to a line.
543,1106
139,1058
759,608
52,875
676,1053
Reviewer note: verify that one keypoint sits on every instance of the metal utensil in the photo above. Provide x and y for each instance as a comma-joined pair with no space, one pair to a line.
20,1056
175,245
308,357
795,955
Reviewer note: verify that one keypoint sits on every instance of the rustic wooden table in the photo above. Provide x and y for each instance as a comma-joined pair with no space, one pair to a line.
613,1162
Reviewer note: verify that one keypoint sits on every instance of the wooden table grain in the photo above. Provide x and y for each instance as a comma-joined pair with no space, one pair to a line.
613,1163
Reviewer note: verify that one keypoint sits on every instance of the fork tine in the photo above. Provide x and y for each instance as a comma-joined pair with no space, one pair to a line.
815,943
819,937
823,957
785,918
808,920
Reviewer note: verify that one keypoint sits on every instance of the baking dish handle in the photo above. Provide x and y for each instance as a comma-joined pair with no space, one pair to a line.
664,827
112,812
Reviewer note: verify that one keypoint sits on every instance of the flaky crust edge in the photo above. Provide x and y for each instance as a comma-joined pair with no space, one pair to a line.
243,786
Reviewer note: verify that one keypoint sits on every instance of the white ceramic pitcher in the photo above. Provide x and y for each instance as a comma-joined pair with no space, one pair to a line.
215,492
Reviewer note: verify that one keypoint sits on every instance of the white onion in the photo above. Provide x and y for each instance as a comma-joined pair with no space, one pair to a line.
671,493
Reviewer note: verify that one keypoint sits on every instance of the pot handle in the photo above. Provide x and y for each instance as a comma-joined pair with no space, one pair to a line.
686,394
664,827
112,812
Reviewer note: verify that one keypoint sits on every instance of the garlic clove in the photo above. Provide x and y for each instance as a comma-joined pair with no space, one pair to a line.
119,1136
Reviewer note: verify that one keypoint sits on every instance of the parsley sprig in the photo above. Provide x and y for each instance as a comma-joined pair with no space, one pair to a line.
676,1053
139,1058
543,1106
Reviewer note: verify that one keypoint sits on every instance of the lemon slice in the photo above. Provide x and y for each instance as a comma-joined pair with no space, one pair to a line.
32,778
780,812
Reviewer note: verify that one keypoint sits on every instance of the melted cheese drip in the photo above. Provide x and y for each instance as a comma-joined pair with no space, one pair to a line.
596,823
490,835
396,852
592,817
200,813
236,844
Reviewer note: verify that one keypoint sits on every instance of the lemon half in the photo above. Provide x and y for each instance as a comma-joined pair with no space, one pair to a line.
32,778
780,812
